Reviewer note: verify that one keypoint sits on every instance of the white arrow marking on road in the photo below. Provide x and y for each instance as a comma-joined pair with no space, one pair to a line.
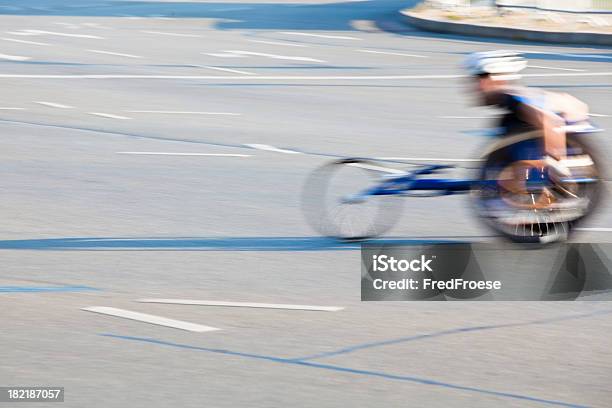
152,319
242,304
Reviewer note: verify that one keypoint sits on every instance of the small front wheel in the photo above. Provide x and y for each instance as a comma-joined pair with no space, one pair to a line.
335,206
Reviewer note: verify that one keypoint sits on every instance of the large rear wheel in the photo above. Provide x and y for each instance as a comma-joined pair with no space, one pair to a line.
521,201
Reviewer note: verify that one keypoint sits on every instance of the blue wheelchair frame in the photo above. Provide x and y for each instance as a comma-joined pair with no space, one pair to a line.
402,184
529,149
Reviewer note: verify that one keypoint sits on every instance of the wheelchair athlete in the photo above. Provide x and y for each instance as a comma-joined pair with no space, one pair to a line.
527,109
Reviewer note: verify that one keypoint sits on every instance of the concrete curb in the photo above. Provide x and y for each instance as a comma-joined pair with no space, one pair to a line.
441,26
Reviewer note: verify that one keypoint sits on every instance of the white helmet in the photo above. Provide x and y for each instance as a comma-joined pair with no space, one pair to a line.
501,64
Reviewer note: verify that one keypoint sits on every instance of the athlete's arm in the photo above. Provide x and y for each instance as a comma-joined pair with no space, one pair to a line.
551,125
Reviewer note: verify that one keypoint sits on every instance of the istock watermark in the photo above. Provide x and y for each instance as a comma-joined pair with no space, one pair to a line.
486,272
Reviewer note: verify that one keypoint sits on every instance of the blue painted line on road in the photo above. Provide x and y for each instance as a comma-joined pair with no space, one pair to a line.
351,349
34,289
330,367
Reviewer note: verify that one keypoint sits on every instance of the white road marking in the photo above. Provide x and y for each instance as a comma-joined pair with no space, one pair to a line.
67,25
376,168
278,43
13,57
556,68
54,105
269,148
242,304
466,117
184,112
186,154
96,25
235,71
25,41
42,32
335,37
274,56
401,54
10,108
279,77
108,115
172,34
152,319
599,115
594,229
428,159
223,55
119,54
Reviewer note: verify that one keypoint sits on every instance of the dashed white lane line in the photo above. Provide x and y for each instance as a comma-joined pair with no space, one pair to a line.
42,32
556,68
168,112
242,304
54,105
400,54
185,154
235,71
599,115
119,54
172,34
13,57
108,115
152,319
269,148
334,37
223,55
275,56
25,41
287,44
10,108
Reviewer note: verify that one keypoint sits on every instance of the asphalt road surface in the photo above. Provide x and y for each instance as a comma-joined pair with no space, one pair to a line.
240,101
